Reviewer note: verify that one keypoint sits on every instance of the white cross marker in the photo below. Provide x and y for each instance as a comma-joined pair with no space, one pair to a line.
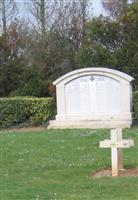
116,144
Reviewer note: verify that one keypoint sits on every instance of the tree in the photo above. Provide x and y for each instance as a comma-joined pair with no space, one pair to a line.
127,55
12,58
114,7
59,33
112,43
100,43
8,10
42,12
71,19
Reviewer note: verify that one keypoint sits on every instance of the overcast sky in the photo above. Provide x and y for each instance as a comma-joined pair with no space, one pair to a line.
96,5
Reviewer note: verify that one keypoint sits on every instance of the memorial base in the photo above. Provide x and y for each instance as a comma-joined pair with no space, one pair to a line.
92,124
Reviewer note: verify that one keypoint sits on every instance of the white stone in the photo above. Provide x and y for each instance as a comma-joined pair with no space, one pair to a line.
93,98
116,144
119,144
102,95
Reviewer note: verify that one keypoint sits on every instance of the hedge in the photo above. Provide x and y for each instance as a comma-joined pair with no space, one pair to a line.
16,110
135,101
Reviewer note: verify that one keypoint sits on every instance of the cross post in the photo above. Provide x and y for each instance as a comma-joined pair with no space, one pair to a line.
116,144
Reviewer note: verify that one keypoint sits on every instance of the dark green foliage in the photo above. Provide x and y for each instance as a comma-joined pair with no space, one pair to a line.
42,110
34,85
112,44
127,55
13,111
20,109
13,66
29,62
98,48
12,70
135,96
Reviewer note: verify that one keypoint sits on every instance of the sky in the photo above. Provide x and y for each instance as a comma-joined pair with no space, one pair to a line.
96,5
97,8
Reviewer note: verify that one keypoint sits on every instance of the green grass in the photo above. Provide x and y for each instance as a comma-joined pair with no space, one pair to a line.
58,165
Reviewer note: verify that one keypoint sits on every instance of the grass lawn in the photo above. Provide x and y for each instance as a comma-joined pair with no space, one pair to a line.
58,165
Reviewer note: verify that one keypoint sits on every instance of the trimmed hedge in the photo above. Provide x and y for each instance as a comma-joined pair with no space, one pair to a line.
135,101
16,110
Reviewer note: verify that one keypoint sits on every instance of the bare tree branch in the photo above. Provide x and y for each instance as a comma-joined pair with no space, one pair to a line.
114,7
8,10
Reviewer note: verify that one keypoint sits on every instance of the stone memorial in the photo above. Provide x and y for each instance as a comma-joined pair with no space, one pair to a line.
93,98
96,98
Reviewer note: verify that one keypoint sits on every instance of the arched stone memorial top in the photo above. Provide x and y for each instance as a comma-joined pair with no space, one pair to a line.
117,75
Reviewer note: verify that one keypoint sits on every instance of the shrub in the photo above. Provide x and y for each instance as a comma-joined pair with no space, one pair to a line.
17,110
42,110
135,101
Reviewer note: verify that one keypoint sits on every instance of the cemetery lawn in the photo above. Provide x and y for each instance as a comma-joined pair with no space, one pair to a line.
58,165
